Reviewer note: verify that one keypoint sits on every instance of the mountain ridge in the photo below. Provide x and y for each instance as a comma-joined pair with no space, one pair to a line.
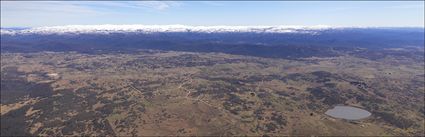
108,28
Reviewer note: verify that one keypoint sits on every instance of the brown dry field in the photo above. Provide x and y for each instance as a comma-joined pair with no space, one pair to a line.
184,93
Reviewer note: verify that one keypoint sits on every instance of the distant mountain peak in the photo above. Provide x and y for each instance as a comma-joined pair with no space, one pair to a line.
106,29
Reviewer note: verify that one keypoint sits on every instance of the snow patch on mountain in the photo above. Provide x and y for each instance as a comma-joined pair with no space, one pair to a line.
107,29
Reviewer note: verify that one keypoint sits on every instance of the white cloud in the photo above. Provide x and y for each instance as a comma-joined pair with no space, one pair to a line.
159,5
213,3
410,6
47,13
44,6
86,7
155,5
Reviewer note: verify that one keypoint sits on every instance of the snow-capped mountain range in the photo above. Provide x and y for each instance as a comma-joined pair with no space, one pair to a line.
106,29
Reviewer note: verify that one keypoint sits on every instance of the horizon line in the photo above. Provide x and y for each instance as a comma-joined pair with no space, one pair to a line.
182,25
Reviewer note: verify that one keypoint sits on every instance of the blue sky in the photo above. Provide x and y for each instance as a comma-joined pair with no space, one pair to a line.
332,13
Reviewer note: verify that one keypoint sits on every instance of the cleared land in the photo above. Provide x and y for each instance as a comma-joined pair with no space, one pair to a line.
153,92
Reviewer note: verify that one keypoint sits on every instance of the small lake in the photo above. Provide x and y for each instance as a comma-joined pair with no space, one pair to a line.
347,112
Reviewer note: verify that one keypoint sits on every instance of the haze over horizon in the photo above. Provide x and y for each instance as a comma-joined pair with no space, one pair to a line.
208,13
208,26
